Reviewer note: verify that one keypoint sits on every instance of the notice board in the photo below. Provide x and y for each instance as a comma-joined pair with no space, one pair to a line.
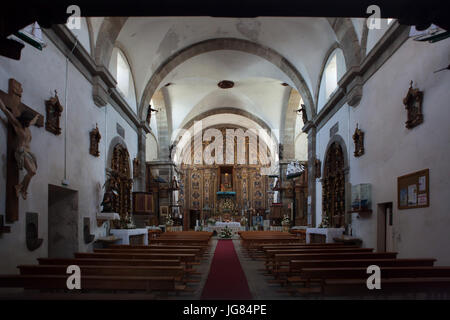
414,190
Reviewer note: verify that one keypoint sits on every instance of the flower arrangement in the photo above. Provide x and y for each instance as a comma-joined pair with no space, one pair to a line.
325,223
226,233
244,221
169,221
286,221
211,221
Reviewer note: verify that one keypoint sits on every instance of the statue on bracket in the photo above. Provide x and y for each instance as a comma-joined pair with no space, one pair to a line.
358,138
24,158
318,168
303,111
54,110
413,104
136,167
95,141
149,113
174,184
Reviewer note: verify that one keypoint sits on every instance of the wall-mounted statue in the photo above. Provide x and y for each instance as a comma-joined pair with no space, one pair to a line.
24,157
174,184
358,138
413,104
111,190
136,167
95,141
302,110
53,109
318,168
149,113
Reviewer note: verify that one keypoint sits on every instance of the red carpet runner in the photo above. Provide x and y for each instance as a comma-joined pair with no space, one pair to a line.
226,279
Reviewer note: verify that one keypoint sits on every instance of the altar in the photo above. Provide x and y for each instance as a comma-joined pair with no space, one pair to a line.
131,236
323,235
235,227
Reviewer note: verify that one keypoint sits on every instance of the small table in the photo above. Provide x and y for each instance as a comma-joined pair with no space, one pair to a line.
328,233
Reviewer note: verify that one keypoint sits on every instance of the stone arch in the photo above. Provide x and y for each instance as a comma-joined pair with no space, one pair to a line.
335,183
106,39
223,110
226,44
348,40
113,143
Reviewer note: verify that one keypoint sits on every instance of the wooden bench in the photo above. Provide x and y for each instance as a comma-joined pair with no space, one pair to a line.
358,287
112,262
270,254
126,271
187,258
58,282
284,259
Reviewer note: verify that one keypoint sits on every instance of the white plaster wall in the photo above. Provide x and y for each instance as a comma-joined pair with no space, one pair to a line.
40,74
82,35
375,35
301,147
391,150
151,150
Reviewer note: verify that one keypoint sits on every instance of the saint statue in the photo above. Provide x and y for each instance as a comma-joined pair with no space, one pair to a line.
111,191
24,157
304,115
149,113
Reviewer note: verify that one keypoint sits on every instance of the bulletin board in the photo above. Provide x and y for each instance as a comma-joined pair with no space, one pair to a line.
414,190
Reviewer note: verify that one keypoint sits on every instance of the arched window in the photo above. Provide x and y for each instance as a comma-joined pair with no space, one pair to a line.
120,68
332,73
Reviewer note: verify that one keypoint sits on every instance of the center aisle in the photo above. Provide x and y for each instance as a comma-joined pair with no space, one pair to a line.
226,279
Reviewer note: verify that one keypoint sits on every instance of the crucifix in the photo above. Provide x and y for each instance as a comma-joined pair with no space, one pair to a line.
20,118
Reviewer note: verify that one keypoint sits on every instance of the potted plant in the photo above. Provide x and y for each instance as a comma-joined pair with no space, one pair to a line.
286,222
226,233
169,223
325,223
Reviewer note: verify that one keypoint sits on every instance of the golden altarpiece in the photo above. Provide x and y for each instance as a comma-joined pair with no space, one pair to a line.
333,186
224,192
120,163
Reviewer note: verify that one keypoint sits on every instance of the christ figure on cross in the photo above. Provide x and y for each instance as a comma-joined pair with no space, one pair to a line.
24,157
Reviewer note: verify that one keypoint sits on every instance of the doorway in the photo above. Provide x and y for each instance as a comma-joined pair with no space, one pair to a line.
62,222
385,223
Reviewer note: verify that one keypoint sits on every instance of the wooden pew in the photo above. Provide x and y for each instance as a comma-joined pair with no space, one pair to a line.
358,287
283,259
148,251
111,262
58,282
186,258
124,271
203,249
270,254
297,268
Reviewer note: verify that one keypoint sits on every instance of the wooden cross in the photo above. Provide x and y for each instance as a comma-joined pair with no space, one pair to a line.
13,102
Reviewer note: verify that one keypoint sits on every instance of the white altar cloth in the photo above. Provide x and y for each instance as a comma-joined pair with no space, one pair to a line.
329,233
124,234
228,224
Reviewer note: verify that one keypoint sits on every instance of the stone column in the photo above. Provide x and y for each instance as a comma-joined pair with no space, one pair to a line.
142,136
311,130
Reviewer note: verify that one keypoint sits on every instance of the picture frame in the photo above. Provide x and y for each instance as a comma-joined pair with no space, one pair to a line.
164,210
